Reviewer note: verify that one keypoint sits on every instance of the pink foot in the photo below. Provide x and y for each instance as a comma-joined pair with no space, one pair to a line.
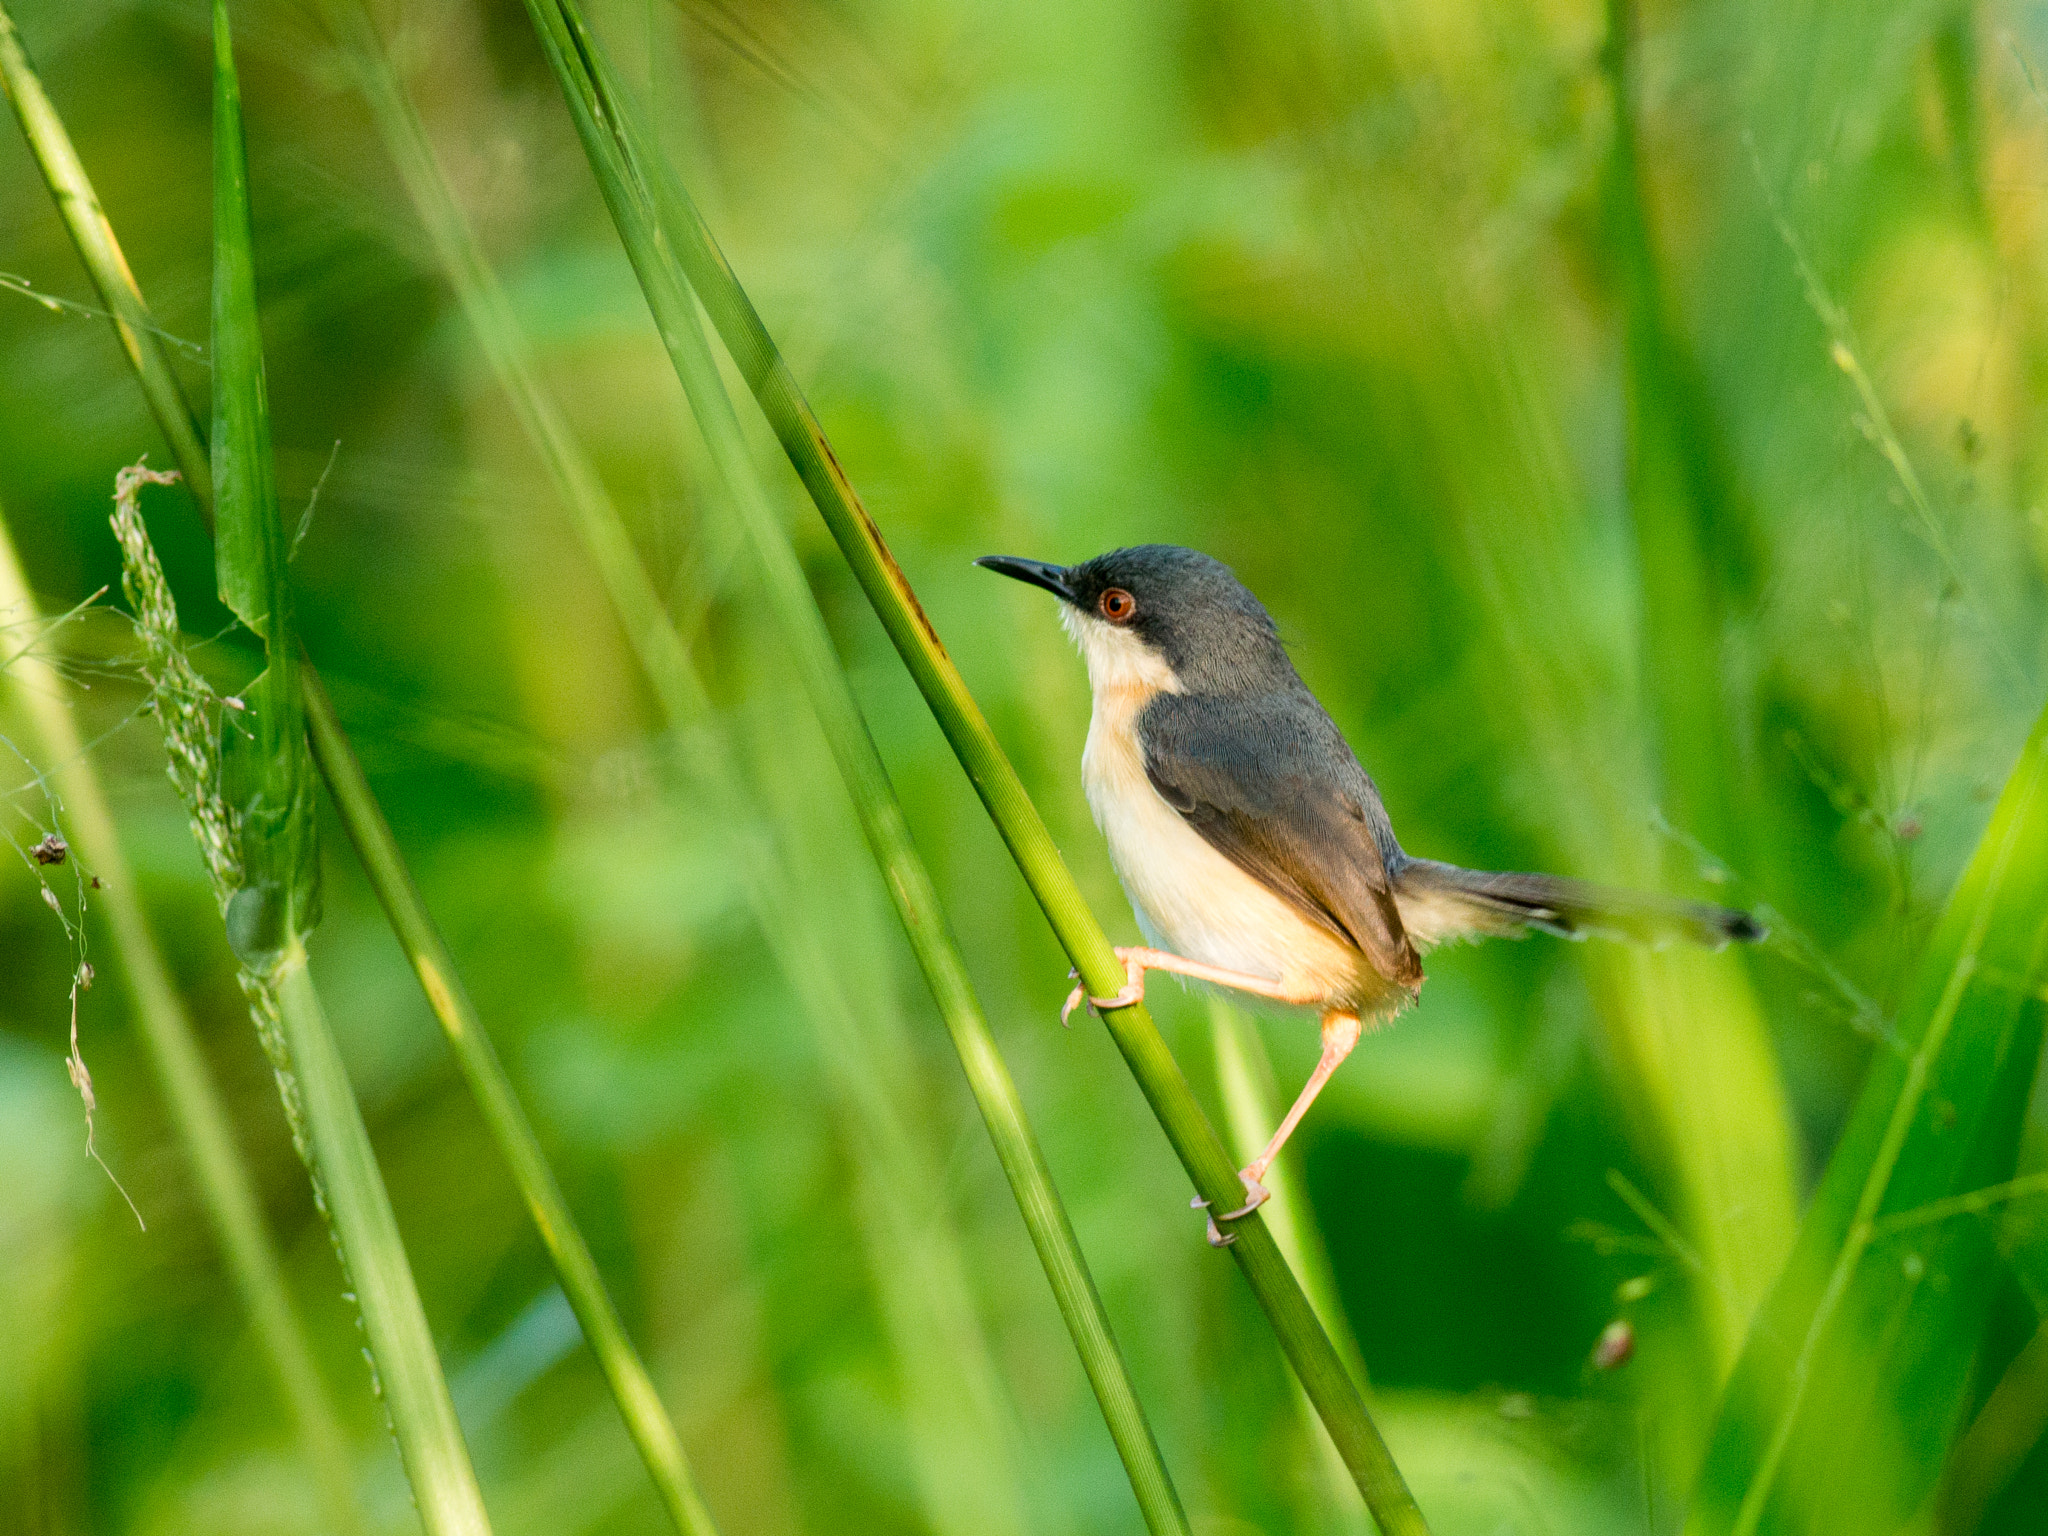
1256,1195
1133,991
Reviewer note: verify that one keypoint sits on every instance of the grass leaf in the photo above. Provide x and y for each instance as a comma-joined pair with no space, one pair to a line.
271,774
275,905
1847,1396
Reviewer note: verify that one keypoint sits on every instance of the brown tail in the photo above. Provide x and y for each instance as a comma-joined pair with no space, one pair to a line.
1503,903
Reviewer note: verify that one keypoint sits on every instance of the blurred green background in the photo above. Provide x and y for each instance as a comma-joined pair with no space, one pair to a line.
1536,423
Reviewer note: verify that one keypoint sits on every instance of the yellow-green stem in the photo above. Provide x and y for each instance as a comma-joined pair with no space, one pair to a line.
673,252
366,1234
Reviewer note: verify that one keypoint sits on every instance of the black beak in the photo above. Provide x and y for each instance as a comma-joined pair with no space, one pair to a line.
1038,572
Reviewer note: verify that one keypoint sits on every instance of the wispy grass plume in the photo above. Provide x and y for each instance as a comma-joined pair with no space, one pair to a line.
226,1192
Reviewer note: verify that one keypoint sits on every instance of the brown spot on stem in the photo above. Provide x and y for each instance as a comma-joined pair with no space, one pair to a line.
878,544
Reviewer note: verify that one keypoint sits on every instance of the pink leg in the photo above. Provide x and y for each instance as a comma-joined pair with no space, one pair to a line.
1341,1032
1137,961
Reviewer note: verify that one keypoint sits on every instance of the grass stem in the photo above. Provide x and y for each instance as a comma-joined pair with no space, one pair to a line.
407,1369
673,252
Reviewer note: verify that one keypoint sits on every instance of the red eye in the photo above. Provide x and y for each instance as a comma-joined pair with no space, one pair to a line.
1117,605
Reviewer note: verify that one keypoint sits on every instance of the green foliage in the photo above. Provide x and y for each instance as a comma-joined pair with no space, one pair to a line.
1636,433
1847,1399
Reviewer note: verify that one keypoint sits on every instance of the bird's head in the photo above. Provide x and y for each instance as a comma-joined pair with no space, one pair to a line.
1156,616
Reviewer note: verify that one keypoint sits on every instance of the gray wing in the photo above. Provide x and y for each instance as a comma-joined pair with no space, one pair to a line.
1271,784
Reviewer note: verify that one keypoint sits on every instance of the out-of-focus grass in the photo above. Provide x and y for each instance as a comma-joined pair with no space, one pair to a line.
1849,1394
1053,281
40,700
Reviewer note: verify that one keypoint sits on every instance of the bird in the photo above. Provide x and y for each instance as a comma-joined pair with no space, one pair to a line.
1252,844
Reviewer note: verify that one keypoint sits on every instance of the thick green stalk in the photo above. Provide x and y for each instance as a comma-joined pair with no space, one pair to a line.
196,1108
674,252
407,1370
669,668
364,821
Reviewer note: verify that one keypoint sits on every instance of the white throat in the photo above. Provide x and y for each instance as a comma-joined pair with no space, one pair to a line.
1119,663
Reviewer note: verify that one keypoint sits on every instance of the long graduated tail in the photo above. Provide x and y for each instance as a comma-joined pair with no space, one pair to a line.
1442,901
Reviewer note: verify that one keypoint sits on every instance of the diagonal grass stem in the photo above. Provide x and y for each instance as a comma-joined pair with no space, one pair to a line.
673,252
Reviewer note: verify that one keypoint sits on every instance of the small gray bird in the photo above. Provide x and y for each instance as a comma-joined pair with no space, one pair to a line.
1252,845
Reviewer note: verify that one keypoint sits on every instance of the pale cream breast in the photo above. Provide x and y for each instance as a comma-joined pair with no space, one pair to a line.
1189,898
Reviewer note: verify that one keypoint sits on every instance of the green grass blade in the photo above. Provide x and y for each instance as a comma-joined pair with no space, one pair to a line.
280,892
364,821
683,696
197,1111
673,251
275,903
79,207
1846,1398
653,1432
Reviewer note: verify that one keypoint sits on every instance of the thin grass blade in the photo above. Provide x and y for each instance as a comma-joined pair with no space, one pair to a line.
270,886
673,252
197,1111
362,818
1843,1406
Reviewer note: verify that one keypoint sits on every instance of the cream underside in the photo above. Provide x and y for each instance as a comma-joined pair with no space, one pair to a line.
1189,898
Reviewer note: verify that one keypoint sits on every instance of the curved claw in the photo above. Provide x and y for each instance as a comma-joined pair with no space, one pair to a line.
1256,1195
1073,1001
1217,1237
1133,991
